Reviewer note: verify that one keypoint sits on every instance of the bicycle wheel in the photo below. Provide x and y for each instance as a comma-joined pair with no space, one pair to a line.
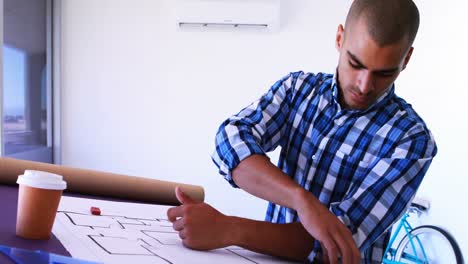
437,244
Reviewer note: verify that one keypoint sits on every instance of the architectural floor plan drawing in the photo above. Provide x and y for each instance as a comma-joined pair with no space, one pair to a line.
133,233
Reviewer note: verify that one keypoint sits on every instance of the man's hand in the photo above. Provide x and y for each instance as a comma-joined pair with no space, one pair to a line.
200,226
335,238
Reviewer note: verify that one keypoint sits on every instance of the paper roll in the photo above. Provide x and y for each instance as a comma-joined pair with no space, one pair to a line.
103,183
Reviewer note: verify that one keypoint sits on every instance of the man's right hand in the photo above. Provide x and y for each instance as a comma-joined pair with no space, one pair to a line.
335,238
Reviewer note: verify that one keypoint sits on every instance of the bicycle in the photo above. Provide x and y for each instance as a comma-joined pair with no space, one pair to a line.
425,244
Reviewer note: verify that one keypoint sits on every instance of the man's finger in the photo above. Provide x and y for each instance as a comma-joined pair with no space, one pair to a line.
352,254
357,255
174,212
182,197
332,251
182,234
344,248
324,254
179,224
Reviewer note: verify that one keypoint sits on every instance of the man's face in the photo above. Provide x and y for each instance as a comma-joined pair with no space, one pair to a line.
365,69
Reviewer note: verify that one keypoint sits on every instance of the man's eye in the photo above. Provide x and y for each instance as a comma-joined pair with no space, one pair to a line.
385,75
355,66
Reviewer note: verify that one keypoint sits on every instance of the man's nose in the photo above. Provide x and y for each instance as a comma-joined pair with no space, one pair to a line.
364,82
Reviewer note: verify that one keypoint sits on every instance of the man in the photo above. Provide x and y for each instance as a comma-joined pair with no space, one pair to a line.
353,153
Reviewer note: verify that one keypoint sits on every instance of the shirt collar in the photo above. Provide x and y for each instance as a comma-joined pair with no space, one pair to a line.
380,101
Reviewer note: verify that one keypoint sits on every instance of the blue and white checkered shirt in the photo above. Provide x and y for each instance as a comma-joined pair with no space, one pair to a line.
364,165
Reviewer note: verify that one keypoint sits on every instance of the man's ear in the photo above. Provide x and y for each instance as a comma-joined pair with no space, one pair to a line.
339,37
407,57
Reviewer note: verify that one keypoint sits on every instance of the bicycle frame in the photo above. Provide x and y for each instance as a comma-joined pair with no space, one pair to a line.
390,252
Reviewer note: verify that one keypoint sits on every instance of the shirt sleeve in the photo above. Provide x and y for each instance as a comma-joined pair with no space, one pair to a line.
370,208
256,129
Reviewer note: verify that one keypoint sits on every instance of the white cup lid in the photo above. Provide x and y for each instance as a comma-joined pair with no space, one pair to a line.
42,180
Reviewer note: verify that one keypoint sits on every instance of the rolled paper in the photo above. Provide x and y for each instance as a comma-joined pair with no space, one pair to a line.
105,184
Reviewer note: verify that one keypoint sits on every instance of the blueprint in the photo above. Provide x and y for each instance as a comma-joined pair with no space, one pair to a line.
133,233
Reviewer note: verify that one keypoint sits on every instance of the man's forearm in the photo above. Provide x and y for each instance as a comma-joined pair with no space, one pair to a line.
258,176
289,241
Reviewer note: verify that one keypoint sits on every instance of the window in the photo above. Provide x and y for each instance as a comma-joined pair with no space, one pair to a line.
27,96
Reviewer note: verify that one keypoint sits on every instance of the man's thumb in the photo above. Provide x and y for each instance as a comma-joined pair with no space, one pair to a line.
182,197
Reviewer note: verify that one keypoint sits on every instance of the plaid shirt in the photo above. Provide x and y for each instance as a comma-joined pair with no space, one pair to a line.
365,166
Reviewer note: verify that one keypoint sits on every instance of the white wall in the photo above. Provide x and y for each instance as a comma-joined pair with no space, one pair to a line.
435,83
141,97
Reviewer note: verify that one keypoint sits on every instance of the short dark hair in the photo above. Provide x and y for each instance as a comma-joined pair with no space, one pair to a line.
387,21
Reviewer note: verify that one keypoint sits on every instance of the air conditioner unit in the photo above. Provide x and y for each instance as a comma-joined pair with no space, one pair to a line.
229,13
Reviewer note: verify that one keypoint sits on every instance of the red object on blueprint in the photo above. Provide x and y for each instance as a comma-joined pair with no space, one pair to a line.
95,210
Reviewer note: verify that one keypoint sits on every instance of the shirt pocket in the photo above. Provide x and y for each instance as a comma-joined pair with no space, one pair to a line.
347,171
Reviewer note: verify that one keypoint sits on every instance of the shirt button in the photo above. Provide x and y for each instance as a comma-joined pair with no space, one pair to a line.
313,156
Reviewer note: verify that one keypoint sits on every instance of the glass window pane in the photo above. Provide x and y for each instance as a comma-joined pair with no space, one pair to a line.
24,77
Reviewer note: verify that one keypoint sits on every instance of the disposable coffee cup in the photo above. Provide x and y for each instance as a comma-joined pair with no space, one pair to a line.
38,199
